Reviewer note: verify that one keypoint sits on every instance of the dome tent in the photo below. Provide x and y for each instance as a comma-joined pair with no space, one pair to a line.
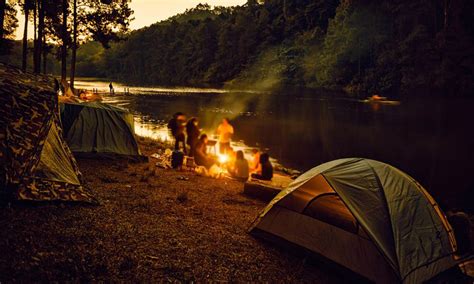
365,215
94,127
38,164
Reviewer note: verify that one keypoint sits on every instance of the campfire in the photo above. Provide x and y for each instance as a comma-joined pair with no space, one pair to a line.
223,158
219,169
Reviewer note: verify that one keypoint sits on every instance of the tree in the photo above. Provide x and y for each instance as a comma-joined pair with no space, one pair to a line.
8,23
52,32
74,43
350,43
365,45
103,21
3,5
40,4
27,6
64,39
45,19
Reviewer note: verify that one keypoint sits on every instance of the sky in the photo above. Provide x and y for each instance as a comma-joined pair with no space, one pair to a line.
147,12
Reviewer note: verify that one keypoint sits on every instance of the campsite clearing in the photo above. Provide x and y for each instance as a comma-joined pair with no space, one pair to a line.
150,225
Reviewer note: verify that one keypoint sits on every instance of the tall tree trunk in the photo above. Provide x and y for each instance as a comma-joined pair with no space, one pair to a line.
45,56
3,5
25,37
64,39
35,33
74,44
39,39
40,33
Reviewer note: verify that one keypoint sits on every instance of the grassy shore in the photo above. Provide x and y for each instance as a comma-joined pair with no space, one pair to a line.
149,226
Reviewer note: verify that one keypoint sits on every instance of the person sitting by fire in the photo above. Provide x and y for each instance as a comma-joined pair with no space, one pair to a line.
240,169
255,162
265,168
176,125
192,131
200,153
225,132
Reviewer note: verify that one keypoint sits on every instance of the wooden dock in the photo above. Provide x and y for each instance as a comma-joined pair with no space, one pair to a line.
126,91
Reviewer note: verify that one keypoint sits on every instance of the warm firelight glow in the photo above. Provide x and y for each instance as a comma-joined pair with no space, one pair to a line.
223,158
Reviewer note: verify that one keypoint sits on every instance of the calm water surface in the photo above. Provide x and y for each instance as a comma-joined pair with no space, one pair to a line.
431,140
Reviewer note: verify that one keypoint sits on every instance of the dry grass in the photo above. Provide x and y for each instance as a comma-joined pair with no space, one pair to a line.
149,226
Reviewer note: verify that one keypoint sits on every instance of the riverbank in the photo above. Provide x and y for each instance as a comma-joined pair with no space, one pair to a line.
150,226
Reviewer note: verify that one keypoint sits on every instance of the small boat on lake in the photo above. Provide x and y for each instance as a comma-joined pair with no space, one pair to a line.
376,99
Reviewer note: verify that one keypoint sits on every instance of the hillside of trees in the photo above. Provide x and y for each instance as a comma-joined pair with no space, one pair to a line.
364,46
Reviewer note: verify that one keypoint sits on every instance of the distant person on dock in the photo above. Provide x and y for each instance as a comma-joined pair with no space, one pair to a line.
240,169
225,132
176,126
200,155
192,131
111,87
265,168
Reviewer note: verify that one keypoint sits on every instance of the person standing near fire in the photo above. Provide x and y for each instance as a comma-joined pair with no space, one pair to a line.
193,132
177,127
225,131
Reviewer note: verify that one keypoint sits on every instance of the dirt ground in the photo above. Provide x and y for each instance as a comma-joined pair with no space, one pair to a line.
149,226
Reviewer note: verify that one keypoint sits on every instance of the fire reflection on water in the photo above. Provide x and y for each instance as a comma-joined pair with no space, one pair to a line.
153,131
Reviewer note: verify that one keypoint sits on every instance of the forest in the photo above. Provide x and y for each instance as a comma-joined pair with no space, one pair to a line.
59,28
366,46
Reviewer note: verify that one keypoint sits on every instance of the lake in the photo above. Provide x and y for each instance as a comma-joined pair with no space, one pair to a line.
431,140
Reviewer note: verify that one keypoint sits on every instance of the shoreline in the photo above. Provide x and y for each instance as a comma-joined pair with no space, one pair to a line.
150,225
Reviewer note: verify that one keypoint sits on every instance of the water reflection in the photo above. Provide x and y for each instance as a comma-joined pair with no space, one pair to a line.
103,87
429,139
152,130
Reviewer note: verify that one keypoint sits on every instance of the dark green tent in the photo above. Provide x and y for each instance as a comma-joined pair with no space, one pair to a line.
36,161
95,127
365,215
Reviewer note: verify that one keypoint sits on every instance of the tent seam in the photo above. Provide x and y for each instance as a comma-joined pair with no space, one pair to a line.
377,246
379,183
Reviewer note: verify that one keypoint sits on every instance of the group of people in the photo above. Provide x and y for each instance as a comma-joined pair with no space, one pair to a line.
187,134
179,127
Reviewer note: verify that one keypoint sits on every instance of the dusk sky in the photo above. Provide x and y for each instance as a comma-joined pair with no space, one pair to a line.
148,12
